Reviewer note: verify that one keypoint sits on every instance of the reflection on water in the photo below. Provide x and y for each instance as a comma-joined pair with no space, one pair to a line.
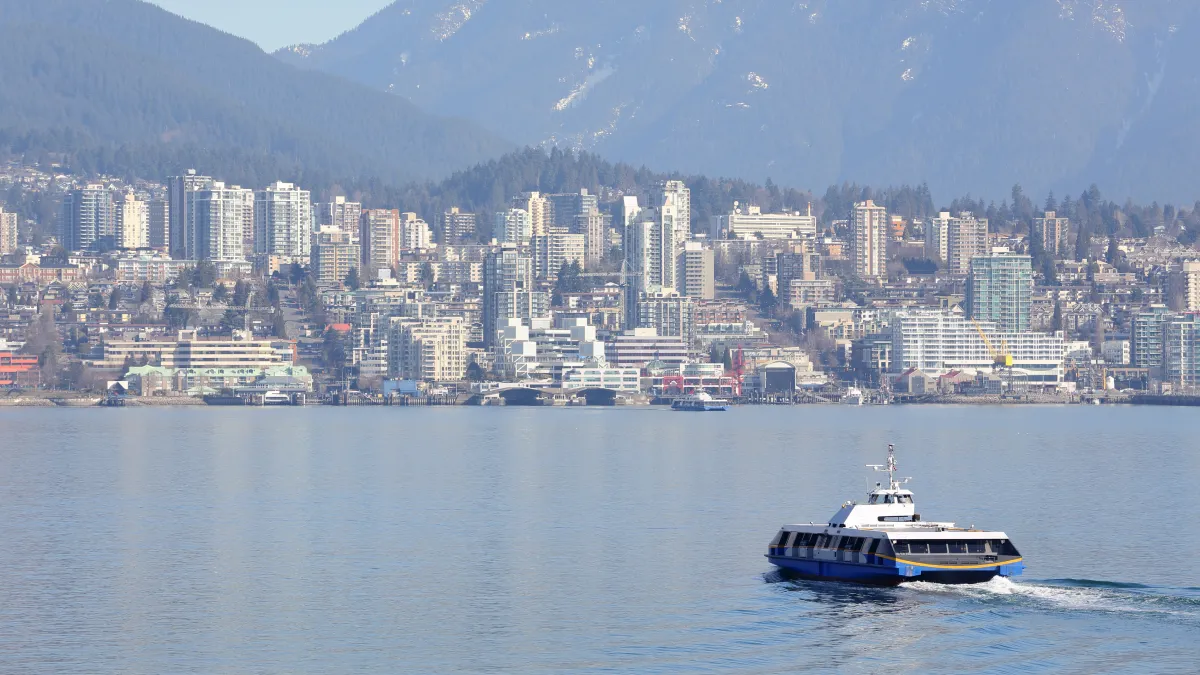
485,540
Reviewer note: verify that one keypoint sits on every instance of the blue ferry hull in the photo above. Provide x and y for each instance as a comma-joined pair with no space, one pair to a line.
892,573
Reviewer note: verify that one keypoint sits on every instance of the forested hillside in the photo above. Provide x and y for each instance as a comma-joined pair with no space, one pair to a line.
122,86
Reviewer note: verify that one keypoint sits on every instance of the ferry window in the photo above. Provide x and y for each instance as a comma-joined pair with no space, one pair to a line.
957,547
874,547
900,546
904,499
975,547
937,547
783,537
801,539
874,499
918,547
888,499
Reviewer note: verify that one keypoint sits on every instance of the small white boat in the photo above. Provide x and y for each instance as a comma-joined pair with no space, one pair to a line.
854,396
276,398
699,402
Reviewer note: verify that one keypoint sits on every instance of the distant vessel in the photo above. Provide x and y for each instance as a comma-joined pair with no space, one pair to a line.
276,398
854,396
885,542
224,399
699,402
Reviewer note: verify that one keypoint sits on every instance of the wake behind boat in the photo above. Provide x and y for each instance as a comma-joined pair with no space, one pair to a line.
885,542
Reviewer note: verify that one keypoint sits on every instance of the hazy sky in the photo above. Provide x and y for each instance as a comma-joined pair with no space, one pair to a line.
277,23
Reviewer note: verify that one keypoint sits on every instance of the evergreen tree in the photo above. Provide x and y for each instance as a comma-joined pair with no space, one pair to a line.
241,293
351,280
114,298
766,302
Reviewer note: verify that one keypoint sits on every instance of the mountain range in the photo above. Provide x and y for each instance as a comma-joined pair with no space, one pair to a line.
971,96
126,84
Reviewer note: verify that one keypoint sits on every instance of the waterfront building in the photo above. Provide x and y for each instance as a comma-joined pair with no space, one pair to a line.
429,349
938,341
199,366
697,271
457,227
868,241
8,232
752,224
533,348
514,226
1000,290
585,375
220,216
1054,231
1146,339
283,222
509,291
380,240
88,216
639,346
18,370
1181,351
179,211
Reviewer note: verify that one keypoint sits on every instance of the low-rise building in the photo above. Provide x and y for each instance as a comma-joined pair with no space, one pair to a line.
936,341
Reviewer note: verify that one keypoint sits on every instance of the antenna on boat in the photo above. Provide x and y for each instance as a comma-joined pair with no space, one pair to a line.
890,468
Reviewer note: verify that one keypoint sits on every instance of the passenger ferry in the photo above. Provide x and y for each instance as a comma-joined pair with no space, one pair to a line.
699,402
885,542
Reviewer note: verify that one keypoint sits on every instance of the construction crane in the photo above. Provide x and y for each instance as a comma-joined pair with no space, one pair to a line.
1001,358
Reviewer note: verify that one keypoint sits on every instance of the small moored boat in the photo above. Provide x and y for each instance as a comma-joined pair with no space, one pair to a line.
699,402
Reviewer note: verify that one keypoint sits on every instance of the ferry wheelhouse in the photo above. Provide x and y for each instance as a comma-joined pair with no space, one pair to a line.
885,541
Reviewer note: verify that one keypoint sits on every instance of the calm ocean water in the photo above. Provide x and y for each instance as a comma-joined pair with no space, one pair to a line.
485,540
